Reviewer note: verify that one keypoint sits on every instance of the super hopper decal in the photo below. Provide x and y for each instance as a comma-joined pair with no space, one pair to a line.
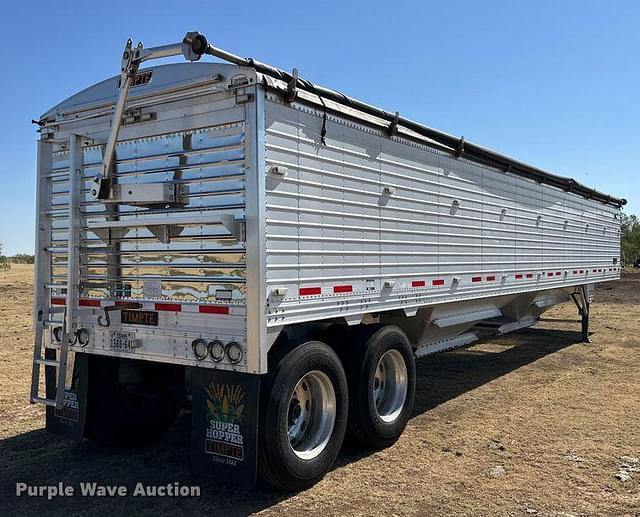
225,416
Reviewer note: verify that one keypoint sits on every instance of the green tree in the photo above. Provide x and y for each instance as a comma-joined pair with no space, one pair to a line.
22,258
630,228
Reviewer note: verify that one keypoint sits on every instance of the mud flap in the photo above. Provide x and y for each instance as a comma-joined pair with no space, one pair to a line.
224,435
70,420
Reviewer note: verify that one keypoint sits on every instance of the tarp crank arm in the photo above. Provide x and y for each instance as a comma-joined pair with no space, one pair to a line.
131,60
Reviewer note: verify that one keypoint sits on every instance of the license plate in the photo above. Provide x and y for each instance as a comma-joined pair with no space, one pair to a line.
128,317
124,342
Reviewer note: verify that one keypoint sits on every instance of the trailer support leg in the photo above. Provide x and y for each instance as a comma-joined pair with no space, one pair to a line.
583,305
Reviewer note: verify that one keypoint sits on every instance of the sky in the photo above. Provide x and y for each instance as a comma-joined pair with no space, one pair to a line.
553,83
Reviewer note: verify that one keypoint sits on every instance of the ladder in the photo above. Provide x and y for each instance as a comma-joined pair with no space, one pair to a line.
43,284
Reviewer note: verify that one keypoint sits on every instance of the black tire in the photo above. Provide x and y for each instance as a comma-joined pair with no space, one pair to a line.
363,356
279,465
130,414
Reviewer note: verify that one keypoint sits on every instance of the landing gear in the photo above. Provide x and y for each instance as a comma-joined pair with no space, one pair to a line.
582,298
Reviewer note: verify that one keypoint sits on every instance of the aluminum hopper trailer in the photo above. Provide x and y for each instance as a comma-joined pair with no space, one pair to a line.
274,254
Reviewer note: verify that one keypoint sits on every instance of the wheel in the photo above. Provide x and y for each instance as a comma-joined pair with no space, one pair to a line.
130,403
303,417
382,383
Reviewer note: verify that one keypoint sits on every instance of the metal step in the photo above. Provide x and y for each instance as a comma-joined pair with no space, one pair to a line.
42,400
47,362
55,286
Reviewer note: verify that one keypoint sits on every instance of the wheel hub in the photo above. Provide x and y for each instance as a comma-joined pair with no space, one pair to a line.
390,382
312,414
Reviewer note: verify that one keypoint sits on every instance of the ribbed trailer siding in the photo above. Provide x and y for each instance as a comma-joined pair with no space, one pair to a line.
370,223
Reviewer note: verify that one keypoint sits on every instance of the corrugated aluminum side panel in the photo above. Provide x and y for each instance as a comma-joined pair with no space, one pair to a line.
368,223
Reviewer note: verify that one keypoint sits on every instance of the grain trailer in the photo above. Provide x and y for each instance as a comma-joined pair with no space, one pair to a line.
273,255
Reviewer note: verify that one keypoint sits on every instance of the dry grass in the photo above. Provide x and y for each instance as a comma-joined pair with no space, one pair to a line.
556,414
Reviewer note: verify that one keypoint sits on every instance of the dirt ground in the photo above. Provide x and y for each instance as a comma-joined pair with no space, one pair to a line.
533,423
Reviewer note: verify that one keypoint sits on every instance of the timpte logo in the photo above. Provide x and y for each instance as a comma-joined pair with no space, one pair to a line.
225,412
238,80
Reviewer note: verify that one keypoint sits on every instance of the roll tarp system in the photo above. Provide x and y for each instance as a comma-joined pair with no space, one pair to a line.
461,148
198,45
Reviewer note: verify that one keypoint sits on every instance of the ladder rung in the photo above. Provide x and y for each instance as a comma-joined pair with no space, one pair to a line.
52,323
47,362
55,286
41,400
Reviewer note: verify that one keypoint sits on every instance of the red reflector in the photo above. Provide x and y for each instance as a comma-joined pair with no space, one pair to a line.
558,273
476,279
342,288
518,277
549,274
581,271
58,301
438,282
599,270
308,291
418,283
89,303
595,270
171,307
529,275
213,309
491,279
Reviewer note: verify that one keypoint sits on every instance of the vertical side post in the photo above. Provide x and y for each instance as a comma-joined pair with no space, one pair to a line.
254,234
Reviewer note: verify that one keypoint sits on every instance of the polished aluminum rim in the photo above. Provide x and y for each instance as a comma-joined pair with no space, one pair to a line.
390,385
312,414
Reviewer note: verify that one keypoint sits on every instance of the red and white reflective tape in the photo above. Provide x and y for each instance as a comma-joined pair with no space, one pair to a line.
438,282
309,291
157,306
